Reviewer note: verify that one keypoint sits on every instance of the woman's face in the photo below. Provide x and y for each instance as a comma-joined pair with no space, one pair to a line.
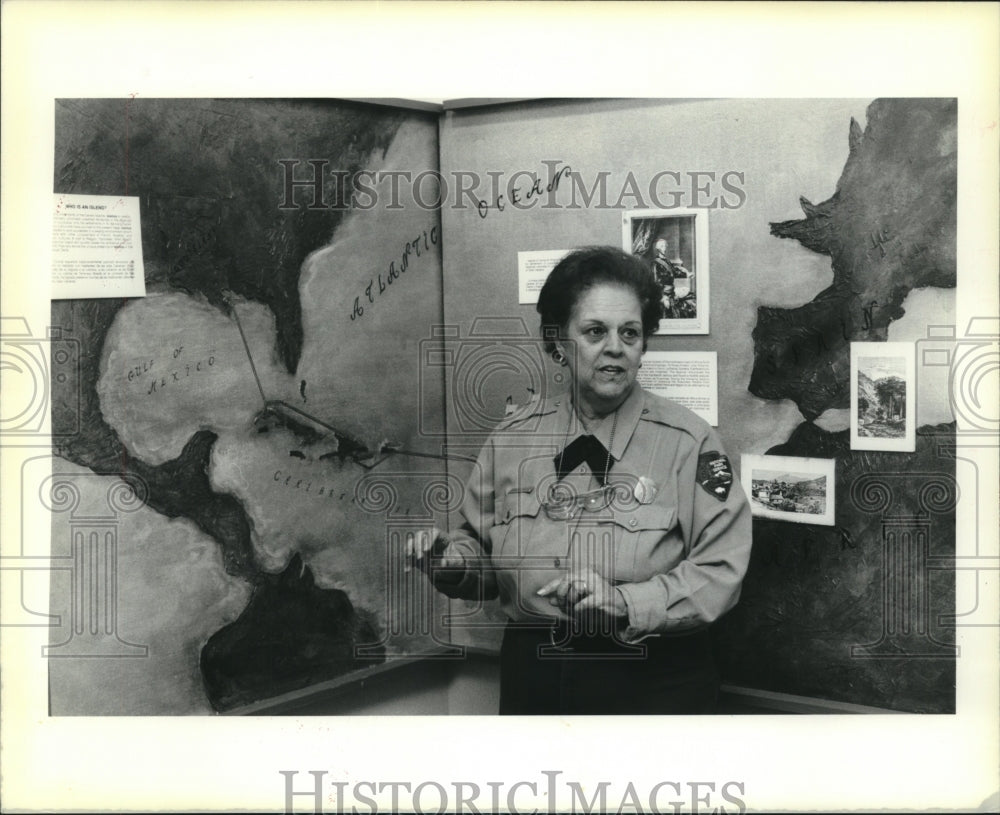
605,346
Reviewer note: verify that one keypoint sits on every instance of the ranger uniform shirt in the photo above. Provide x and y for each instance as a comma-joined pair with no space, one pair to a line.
672,531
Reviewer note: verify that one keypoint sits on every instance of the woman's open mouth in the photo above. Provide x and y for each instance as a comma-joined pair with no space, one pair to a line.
611,371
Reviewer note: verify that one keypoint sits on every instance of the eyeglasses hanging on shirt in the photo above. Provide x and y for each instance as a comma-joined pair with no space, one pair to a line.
564,502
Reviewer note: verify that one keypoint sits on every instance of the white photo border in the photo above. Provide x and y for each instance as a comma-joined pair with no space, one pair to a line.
908,352
820,466
681,326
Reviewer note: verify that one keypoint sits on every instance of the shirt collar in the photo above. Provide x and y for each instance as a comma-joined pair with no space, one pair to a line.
629,412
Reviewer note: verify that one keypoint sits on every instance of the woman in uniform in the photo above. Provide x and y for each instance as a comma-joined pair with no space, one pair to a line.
606,519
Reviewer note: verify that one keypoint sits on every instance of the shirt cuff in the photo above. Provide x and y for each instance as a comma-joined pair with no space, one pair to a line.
642,599
647,613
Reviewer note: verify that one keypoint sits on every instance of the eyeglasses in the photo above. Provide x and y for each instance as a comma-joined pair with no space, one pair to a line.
564,503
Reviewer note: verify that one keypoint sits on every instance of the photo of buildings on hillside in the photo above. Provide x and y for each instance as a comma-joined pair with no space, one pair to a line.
789,488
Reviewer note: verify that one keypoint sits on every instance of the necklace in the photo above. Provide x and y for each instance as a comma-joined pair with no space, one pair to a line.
611,442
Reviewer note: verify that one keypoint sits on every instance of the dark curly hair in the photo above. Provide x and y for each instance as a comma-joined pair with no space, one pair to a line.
589,266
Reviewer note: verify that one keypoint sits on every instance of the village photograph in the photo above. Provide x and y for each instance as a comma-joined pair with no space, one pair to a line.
790,488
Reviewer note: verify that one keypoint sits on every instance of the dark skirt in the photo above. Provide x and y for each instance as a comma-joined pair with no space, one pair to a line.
586,676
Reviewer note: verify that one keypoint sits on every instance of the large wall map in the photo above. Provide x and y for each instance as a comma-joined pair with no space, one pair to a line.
241,401
863,612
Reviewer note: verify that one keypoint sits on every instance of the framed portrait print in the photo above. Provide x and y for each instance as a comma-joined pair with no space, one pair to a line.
675,243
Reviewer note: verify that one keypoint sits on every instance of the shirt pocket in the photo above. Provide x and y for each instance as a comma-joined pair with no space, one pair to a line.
641,532
515,514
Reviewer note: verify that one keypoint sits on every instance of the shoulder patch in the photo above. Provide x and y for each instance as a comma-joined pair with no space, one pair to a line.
715,474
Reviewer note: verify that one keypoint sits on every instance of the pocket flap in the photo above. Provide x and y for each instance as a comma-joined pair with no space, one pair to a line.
641,517
516,503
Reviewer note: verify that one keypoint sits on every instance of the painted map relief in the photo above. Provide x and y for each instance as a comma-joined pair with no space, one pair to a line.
820,598
889,228
234,467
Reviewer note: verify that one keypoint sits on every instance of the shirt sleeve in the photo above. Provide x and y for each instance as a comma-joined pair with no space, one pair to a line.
478,580
715,521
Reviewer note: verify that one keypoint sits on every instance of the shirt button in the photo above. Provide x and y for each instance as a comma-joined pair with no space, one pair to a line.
581,469
557,562
632,522
645,411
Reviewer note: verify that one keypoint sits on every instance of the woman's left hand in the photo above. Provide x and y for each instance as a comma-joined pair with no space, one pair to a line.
584,591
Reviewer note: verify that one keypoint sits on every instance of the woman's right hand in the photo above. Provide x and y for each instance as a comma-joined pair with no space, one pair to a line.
435,554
